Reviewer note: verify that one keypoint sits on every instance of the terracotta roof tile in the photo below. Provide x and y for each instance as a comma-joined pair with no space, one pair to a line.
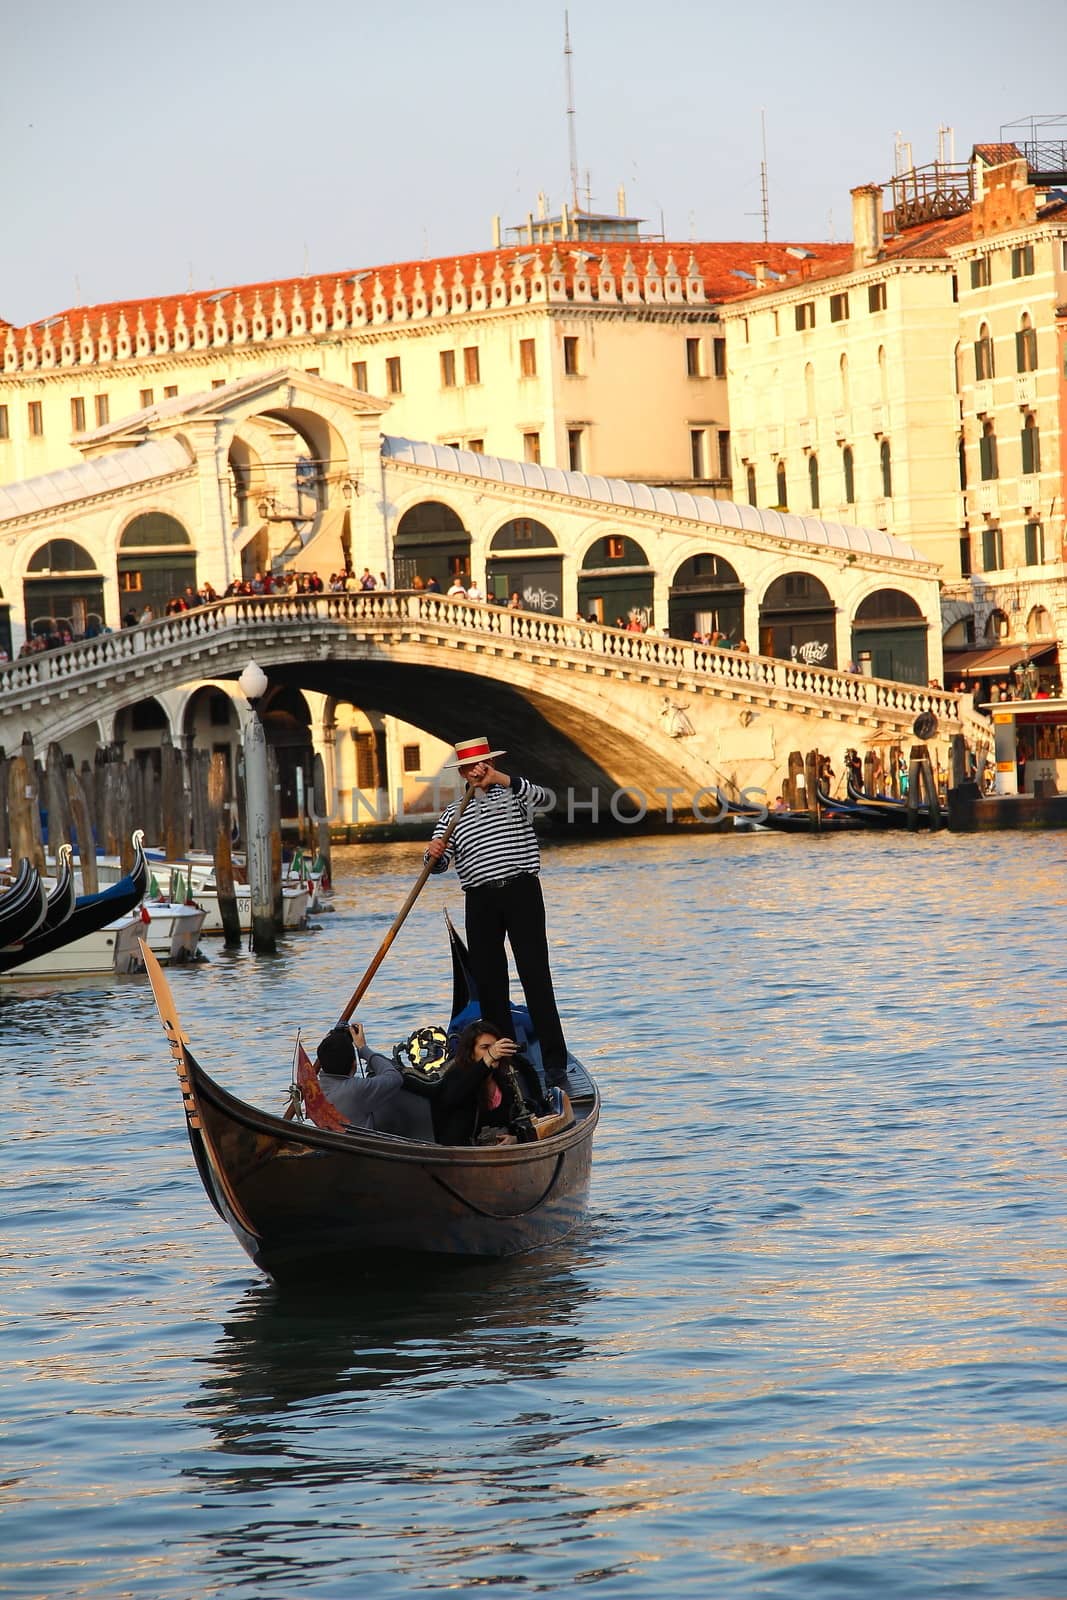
717,263
995,155
928,240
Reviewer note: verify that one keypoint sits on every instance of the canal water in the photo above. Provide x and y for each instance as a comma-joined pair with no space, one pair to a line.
808,1343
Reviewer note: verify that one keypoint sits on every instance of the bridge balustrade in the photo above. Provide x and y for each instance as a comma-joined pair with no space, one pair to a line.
381,608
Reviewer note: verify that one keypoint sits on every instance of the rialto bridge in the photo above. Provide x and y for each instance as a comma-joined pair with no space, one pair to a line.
584,707
282,472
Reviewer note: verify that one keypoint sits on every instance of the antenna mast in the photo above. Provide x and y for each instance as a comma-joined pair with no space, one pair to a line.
764,201
571,136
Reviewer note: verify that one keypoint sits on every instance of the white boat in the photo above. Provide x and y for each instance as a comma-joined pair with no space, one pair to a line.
172,933
101,951
197,876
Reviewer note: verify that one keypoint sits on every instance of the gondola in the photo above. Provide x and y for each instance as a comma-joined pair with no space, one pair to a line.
867,815
23,906
90,912
300,1197
63,896
885,806
795,821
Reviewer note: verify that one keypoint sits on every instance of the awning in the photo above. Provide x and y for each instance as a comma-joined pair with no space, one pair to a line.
999,658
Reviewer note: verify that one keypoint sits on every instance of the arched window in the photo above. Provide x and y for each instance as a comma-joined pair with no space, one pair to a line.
523,533
1031,442
615,581
525,566
809,389
961,450
813,481
153,528
845,400
987,452
957,367
1039,624
750,484
883,375
62,589
1026,346
781,486
61,555
848,469
983,354
885,457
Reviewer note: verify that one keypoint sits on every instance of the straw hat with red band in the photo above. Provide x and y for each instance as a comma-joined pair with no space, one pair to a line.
470,751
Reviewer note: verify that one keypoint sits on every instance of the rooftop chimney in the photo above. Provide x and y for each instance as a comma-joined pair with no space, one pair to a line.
866,224
759,272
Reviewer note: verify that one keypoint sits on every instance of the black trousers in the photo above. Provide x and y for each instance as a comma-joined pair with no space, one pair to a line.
515,910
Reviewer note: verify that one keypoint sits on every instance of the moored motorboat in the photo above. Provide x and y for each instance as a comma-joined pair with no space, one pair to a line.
297,1195
172,932
195,878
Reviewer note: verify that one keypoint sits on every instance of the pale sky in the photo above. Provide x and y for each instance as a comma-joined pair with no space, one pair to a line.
152,148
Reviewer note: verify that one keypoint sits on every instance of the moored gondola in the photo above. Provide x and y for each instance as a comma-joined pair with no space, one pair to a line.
299,1196
63,896
885,806
23,906
89,913
795,821
867,816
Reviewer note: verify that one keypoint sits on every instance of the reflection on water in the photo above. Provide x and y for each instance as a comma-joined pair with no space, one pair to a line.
284,1346
807,1342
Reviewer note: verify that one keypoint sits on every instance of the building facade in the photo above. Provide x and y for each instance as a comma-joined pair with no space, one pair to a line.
920,388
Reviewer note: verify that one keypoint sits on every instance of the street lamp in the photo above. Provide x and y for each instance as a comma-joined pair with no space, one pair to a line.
253,682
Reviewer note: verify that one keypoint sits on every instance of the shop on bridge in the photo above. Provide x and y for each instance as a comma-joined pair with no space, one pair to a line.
62,590
615,582
431,542
706,597
889,638
156,563
797,621
525,560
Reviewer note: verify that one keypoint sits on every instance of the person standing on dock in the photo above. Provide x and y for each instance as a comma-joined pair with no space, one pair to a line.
498,861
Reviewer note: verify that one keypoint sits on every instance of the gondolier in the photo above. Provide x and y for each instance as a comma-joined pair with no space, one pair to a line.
498,861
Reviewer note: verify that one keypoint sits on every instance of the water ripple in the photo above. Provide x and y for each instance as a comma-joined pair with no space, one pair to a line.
808,1343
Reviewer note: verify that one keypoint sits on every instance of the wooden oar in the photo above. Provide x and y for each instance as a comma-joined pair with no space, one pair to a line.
383,949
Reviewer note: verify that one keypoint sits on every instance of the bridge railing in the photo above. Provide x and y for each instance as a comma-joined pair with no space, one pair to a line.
380,608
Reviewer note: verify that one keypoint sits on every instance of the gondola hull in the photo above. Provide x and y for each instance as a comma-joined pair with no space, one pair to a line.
296,1196
299,1197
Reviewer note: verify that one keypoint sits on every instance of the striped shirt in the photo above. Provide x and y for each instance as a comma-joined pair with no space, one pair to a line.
494,837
